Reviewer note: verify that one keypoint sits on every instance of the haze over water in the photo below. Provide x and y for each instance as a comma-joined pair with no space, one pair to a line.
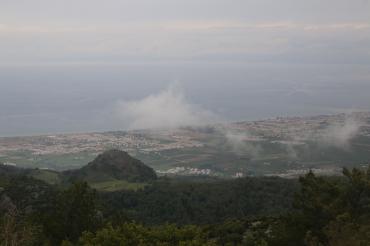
77,66
78,98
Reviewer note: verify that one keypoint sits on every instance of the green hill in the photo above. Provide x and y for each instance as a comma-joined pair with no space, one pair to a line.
110,171
113,169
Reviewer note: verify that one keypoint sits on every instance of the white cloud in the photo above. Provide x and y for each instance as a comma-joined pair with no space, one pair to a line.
238,143
166,109
340,135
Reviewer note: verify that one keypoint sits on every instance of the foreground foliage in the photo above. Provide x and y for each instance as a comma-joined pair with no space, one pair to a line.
202,202
325,211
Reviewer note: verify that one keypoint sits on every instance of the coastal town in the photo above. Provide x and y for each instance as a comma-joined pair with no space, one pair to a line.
184,151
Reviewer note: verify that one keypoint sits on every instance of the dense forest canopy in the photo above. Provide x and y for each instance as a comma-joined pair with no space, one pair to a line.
247,211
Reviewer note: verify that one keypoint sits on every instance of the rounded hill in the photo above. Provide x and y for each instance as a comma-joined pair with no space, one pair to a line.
114,165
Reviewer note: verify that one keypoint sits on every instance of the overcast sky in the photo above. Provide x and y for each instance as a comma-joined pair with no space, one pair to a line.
146,30
86,65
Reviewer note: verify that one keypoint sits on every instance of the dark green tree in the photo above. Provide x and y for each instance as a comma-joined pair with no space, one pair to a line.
73,212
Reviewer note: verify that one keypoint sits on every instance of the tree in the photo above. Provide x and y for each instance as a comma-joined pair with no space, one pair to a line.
335,211
136,234
15,231
74,211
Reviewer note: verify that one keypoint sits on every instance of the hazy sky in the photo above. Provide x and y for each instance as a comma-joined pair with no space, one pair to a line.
82,65
144,30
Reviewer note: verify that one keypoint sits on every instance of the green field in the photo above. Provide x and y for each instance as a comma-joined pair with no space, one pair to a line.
115,185
50,177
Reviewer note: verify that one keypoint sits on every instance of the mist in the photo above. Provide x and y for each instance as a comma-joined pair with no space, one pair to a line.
239,143
340,134
77,66
43,99
168,108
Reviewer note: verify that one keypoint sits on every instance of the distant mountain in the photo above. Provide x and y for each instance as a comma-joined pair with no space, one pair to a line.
113,165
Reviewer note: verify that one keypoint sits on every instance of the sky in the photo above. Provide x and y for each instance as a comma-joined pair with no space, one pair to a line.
89,65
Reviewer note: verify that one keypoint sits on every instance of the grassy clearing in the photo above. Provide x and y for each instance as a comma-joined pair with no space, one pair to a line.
115,185
50,177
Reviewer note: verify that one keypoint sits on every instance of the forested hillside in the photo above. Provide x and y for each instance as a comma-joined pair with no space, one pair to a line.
247,211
